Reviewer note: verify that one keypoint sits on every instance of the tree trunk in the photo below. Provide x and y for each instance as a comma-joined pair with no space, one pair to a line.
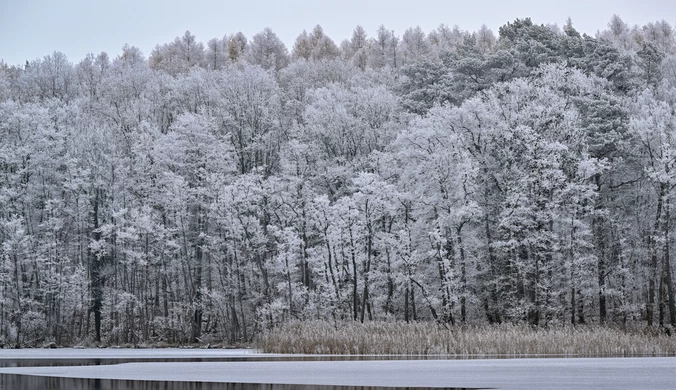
355,296
571,256
307,275
367,267
289,286
406,304
198,311
491,304
18,310
650,308
598,225
330,262
667,267
96,283
447,314
463,276
661,297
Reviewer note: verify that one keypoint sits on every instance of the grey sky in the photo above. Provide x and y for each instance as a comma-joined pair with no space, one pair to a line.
31,29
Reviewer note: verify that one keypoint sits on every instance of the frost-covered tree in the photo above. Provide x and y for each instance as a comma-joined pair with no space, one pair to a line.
267,51
178,56
216,190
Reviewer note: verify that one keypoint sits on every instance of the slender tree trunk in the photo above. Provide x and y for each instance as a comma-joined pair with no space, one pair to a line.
18,309
661,297
96,276
367,266
650,308
289,286
667,266
463,276
571,256
406,304
307,275
491,305
198,311
446,310
355,296
390,280
241,292
603,311
390,284
330,263
413,310
598,225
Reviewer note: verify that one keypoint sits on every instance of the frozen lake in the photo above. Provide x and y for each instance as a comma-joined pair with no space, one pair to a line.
251,368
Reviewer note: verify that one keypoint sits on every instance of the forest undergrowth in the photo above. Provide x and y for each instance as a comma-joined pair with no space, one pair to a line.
428,339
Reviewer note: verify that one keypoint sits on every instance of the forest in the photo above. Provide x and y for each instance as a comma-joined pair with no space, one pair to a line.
212,191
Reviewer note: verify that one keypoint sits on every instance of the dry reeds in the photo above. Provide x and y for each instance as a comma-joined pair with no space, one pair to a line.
381,338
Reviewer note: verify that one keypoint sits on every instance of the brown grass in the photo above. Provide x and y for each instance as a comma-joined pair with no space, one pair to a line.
380,338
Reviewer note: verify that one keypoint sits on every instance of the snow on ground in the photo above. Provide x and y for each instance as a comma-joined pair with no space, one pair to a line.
550,373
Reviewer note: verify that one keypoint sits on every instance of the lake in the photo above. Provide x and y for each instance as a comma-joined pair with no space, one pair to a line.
97,357
178,369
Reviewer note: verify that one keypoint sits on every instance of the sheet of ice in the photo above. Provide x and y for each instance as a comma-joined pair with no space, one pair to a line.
554,373
125,353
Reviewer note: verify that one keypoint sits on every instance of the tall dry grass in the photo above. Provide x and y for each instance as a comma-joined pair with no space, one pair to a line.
381,338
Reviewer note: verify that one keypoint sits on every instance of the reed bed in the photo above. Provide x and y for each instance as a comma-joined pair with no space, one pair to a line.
381,338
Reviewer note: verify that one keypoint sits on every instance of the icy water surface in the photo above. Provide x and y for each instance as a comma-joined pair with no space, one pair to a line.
28,382
31,358
220,369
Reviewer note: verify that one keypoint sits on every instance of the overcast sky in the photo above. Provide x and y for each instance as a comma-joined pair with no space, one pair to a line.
31,29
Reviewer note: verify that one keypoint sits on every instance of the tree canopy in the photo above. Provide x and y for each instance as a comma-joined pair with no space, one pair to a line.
212,191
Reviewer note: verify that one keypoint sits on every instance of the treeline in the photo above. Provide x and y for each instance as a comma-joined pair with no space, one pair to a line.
212,191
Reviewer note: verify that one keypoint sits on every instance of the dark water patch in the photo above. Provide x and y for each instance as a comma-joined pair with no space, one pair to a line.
66,361
105,361
29,382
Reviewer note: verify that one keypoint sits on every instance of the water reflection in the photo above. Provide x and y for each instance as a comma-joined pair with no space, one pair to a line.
27,382
251,358
98,361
